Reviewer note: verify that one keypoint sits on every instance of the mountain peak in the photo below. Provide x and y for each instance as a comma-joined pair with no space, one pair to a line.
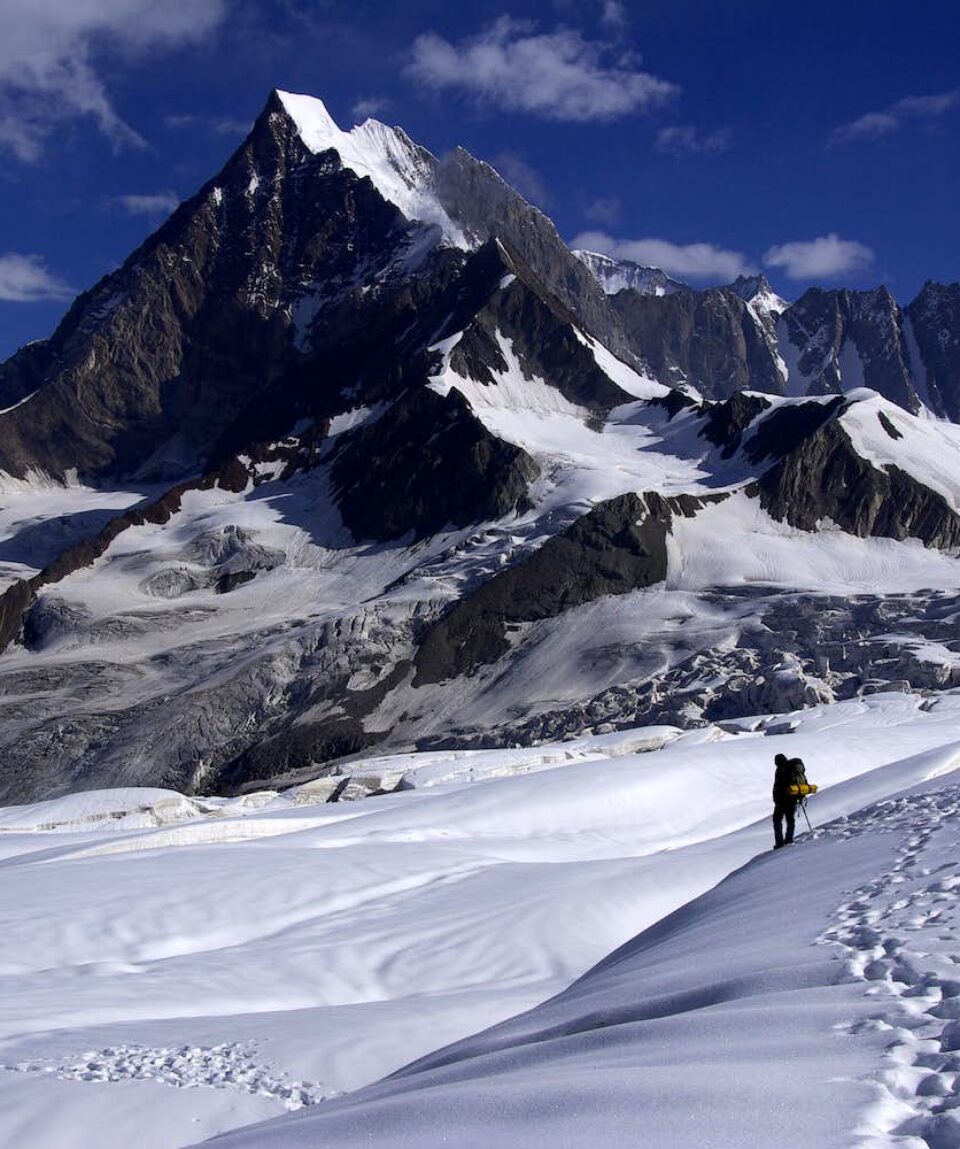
402,171
756,291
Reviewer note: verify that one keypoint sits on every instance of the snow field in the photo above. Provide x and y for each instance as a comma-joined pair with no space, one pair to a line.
238,953
737,1020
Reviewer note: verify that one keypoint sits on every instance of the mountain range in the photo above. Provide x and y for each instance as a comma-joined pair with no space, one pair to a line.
354,451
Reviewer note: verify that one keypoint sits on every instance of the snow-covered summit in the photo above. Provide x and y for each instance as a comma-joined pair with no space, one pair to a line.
401,170
755,290
615,275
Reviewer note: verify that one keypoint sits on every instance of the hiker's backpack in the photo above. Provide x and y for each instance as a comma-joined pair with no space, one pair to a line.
799,786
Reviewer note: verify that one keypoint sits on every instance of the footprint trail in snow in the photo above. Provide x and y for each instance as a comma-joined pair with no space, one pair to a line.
900,934
231,1065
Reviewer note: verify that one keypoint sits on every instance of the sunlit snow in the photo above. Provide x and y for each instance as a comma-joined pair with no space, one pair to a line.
176,967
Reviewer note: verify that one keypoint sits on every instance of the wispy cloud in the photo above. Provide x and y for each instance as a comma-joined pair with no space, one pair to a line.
221,125
523,176
227,127
48,60
158,204
686,140
605,210
687,261
613,15
25,279
369,106
875,125
555,75
826,257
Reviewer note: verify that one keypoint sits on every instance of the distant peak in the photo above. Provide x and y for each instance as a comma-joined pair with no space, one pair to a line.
614,275
751,284
756,291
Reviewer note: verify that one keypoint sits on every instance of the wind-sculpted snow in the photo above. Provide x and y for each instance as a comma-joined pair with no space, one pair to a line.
696,1031
166,983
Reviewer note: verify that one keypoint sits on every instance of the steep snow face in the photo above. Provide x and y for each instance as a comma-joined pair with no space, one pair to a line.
400,170
167,982
886,435
616,275
583,459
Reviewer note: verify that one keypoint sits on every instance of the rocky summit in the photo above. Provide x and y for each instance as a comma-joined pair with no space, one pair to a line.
354,451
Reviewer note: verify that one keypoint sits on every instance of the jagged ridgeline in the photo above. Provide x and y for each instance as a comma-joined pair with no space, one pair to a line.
354,452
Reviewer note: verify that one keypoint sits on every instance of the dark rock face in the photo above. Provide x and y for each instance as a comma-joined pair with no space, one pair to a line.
620,546
541,333
727,421
885,423
475,196
784,430
708,339
825,478
822,323
428,464
934,317
164,352
23,372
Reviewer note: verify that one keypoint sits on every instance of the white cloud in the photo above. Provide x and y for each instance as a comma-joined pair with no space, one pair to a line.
687,261
47,60
369,106
160,203
556,75
25,279
875,125
686,140
823,258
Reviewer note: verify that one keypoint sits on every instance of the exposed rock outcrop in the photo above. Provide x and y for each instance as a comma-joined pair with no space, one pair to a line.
620,546
934,322
849,339
824,479
710,340
429,464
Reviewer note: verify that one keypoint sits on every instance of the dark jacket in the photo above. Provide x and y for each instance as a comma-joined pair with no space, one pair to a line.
786,775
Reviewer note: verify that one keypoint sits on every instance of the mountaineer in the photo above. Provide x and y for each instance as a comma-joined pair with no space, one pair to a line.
789,787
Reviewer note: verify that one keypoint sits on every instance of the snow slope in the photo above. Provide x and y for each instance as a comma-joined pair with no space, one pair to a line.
168,981
808,1000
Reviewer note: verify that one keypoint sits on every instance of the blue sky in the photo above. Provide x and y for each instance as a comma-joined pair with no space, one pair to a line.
815,141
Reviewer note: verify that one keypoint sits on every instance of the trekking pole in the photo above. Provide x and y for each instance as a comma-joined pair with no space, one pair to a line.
803,807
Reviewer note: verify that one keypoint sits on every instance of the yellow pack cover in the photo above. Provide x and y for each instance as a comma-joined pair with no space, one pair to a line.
801,789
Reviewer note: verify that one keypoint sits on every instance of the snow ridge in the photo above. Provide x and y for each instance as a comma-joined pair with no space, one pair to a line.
400,170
